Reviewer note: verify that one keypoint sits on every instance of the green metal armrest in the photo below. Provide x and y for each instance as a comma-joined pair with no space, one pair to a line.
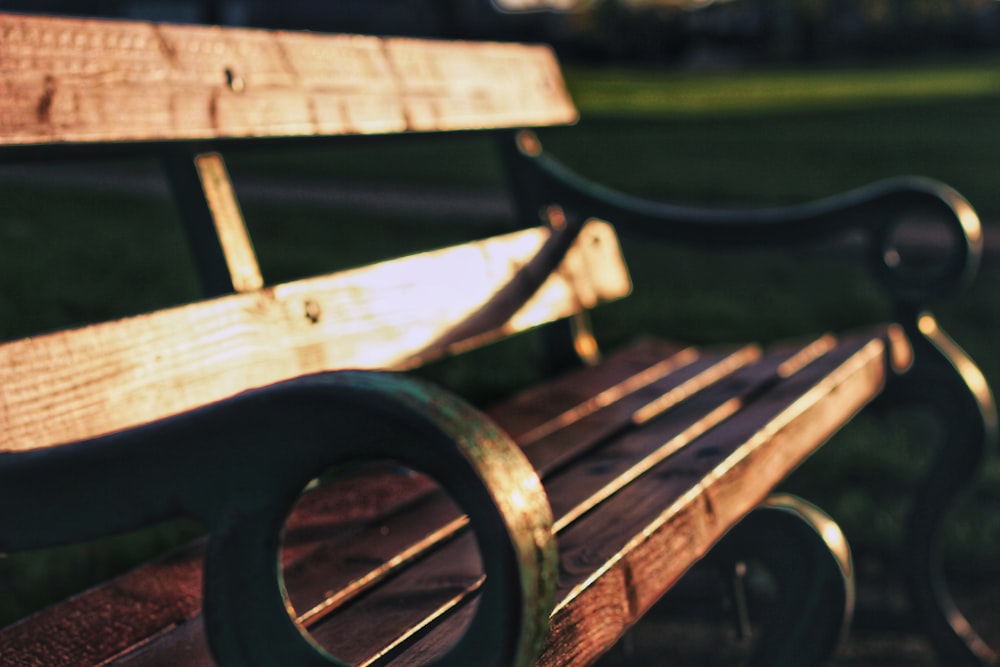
939,377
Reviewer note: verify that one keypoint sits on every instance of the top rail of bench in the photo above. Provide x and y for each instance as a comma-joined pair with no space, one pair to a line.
99,81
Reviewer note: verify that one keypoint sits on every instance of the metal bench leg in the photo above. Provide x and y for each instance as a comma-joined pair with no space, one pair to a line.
944,380
806,553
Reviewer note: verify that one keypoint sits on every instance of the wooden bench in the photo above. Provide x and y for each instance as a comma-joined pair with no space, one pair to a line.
588,495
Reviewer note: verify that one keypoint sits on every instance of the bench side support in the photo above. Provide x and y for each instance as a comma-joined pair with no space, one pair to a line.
212,219
567,343
946,382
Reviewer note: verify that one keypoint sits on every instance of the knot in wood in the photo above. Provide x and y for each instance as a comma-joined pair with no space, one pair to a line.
234,81
313,311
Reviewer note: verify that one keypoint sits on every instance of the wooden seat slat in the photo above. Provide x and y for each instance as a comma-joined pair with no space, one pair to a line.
165,595
450,571
574,393
449,576
406,607
561,448
708,457
571,444
636,451
575,438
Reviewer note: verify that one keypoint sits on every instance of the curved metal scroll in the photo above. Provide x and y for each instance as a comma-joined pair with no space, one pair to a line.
945,381
240,465
940,374
874,210
808,555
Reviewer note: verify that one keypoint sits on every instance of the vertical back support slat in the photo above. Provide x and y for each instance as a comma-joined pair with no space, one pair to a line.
223,252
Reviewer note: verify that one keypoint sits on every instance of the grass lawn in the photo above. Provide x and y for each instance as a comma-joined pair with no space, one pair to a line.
71,256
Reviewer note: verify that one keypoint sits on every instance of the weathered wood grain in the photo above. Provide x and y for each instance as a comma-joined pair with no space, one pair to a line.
673,468
213,221
539,411
79,80
568,446
78,384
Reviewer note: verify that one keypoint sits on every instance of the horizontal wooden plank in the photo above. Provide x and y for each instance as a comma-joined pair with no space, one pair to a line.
78,384
575,488
85,80
538,410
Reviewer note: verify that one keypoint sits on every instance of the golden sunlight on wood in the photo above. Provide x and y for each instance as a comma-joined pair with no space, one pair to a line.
82,383
117,81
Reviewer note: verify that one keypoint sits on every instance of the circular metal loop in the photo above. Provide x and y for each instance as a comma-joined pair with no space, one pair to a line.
352,416
957,246
873,210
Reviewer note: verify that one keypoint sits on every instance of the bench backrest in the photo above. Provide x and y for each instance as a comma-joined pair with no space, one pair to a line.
91,81
75,84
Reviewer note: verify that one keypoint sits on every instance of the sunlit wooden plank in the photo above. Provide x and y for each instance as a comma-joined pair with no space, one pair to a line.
76,384
86,80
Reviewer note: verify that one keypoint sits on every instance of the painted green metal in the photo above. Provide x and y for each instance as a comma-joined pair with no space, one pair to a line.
239,466
941,375
874,211
945,382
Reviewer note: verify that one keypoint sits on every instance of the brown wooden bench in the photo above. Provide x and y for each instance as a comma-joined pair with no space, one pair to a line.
588,496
